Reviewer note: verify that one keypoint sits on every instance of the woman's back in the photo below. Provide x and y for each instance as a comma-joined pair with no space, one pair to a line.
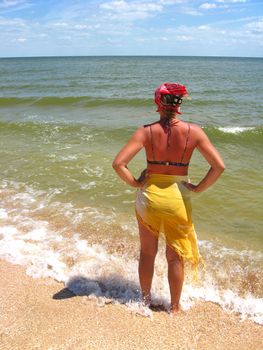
169,151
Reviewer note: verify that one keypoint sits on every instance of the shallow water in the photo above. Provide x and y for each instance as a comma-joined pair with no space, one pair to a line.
65,213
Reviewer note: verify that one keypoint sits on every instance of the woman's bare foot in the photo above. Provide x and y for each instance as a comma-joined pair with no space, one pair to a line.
146,300
175,309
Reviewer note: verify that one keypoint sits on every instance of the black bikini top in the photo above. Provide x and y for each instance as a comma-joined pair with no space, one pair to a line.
167,163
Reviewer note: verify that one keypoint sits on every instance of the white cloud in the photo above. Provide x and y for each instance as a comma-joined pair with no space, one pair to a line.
20,40
121,5
12,22
204,27
232,1
208,6
249,34
172,2
255,27
81,26
191,11
116,20
10,3
60,24
131,10
8,6
87,26
184,38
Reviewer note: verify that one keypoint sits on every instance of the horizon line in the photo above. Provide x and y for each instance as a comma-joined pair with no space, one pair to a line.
71,56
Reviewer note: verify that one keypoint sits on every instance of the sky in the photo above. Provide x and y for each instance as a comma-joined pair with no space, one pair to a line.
136,27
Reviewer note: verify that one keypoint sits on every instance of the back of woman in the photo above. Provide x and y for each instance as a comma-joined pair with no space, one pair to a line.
174,146
163,201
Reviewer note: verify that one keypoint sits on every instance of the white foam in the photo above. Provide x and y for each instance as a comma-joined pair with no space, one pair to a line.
8,230
88,186
97,171
24,196
90,270
112,195
129,191
87,137
95,272
247,306
235,129
3,214
69,157
140,309
64,147
222,252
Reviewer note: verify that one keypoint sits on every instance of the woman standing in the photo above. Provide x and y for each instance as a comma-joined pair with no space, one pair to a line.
163,199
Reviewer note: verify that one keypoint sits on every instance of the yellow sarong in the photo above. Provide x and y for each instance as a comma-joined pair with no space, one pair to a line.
164,205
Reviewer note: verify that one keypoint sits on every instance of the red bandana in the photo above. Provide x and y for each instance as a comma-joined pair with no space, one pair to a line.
169,88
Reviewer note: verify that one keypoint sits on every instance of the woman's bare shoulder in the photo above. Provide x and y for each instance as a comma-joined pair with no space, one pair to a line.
140,134
197,134
194,126
140,131
196,129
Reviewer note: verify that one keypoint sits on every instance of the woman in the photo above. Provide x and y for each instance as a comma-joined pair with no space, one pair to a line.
163,199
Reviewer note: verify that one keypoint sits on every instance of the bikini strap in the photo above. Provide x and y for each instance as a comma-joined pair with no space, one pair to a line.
151,136
151,139
186,143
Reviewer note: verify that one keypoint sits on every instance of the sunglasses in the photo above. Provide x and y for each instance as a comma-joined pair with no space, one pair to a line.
168,99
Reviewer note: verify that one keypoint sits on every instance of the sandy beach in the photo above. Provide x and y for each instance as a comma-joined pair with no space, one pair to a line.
42,314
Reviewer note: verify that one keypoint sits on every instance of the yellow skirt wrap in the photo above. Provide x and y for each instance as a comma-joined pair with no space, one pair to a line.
164,205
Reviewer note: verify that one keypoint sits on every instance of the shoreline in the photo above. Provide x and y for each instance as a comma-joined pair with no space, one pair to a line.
43,314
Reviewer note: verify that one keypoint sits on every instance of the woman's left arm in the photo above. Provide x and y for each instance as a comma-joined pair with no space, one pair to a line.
120,163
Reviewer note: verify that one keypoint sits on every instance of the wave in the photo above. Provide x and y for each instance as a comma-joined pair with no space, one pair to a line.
58,132
47,237
96,101
236,129
33,123
45,130
243,135
80,101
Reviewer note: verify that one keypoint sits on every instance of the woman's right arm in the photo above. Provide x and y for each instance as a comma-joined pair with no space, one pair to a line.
120,163
210,153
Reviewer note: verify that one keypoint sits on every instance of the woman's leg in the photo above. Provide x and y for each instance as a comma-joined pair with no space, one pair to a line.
175,277
149,247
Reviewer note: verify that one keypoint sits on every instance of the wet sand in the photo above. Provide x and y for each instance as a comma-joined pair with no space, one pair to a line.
42,314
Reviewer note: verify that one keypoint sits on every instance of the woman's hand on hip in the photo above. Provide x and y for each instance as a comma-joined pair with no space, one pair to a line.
142,178
191,187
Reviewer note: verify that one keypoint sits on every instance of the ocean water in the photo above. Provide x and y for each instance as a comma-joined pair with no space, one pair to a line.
66,215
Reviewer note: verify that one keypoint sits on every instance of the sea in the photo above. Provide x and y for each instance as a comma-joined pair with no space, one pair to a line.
65,214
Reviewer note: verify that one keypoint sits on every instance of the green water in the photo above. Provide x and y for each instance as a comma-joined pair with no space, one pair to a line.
62,121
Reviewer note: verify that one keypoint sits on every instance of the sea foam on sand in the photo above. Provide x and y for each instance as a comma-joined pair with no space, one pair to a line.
90,269
42,314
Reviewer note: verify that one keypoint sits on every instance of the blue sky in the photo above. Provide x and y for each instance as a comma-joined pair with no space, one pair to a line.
136,27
